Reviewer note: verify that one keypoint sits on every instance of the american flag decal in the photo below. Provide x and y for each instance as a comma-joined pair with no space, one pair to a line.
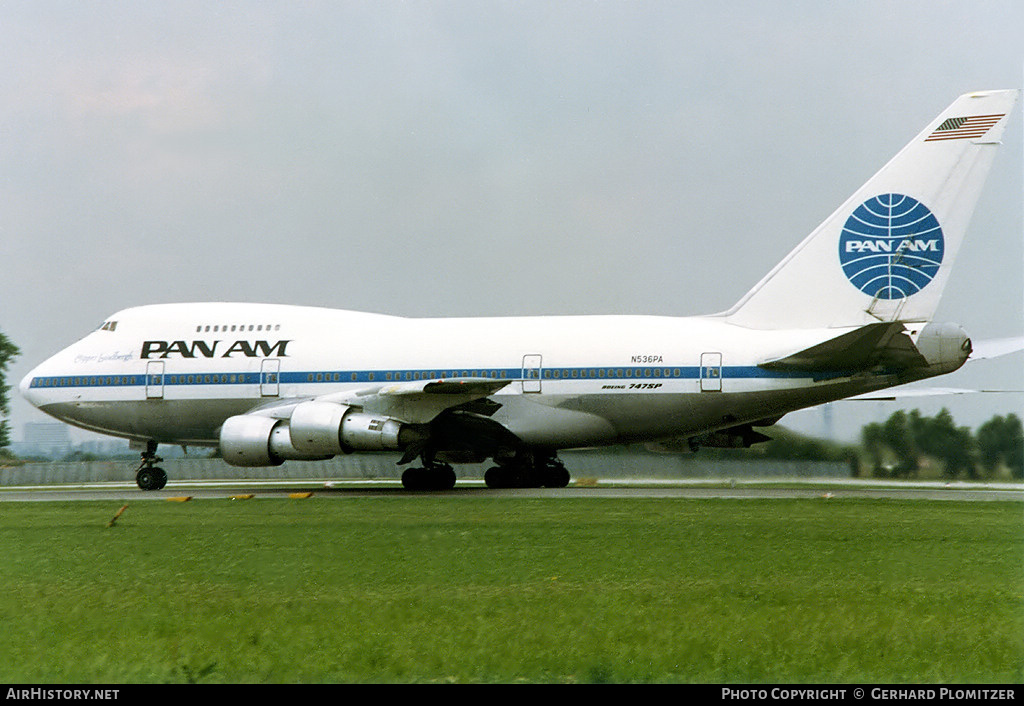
963,128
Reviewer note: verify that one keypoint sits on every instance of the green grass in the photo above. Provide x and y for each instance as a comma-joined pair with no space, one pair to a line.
410,589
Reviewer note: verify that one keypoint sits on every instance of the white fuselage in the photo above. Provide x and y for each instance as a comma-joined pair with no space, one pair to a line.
174,373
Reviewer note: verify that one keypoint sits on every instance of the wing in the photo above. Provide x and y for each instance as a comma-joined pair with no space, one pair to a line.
415,402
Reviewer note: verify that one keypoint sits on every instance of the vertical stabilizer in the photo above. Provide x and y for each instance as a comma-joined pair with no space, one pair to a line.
886,253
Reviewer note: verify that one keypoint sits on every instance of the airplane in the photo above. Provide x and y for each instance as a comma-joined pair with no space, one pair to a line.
848,312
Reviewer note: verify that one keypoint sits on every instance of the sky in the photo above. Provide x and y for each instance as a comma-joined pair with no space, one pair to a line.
478,158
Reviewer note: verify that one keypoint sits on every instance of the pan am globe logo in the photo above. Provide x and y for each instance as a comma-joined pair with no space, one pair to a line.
891,246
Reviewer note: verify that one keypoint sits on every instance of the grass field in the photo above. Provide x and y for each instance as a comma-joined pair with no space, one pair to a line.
412,589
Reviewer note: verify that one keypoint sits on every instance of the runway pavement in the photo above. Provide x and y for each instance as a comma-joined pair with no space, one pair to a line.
824,490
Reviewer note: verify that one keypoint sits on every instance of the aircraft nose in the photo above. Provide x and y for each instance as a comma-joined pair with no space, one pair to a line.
31,386
26,389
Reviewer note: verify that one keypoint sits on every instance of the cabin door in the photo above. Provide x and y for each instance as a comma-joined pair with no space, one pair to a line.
531,372
711,372
270,377
154,380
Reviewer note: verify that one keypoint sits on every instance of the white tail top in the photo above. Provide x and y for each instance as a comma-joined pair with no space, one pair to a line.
886,253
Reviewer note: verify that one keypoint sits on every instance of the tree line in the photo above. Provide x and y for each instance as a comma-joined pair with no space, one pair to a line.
8,352
907,443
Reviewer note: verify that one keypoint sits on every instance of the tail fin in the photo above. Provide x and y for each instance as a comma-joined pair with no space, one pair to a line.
886,254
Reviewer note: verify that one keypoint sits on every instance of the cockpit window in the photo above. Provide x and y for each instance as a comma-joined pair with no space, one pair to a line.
108,326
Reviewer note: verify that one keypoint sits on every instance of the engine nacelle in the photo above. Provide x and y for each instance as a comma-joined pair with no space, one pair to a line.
315,431
325,427
249,440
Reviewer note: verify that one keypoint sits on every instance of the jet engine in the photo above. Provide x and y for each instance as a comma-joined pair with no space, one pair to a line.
315,431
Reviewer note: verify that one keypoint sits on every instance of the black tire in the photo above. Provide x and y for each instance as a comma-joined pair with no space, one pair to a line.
412,479
160,478
556,477
495,477
445,478
146,479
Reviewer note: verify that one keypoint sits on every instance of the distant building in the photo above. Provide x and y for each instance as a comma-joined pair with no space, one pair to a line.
49,439
52,440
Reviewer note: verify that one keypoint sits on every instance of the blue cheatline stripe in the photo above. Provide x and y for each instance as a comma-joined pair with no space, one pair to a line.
589,373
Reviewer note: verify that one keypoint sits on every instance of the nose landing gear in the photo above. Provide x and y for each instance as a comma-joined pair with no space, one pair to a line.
149,476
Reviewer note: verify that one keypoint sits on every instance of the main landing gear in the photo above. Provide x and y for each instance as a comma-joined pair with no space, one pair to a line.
528,472
524,469
149,476
433,476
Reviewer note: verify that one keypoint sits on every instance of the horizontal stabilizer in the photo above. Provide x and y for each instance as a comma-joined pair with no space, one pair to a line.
996,347
915,392
861,349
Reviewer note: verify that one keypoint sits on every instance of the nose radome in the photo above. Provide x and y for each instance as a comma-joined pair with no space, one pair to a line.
30,393
26,389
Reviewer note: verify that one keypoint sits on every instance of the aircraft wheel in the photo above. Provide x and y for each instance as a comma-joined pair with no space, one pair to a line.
556,477
412,479
445,478
496,477
440,478
148,479
160,478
